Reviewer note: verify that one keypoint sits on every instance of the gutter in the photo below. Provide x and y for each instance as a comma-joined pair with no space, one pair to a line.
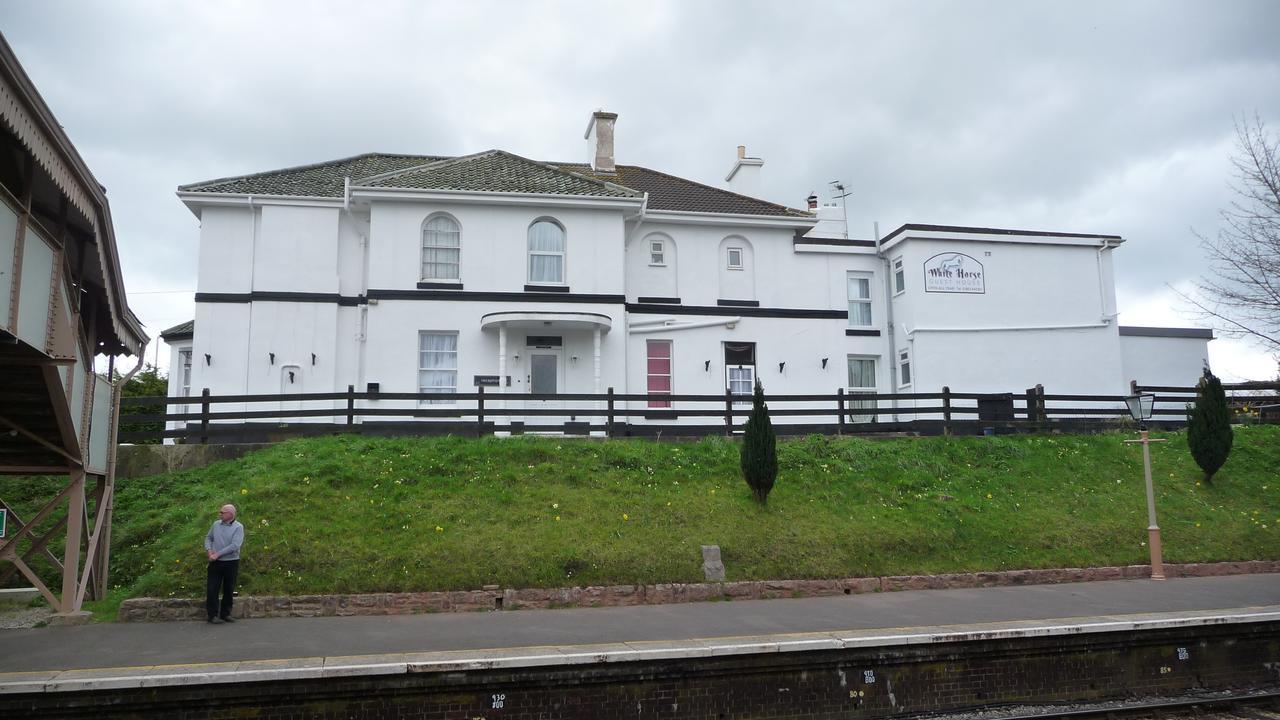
892,360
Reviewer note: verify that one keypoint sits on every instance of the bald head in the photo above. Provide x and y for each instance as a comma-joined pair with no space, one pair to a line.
227,513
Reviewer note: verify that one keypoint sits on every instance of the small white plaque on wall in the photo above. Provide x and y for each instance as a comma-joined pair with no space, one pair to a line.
954,273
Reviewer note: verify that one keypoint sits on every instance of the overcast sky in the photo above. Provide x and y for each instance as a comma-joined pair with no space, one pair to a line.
1094,117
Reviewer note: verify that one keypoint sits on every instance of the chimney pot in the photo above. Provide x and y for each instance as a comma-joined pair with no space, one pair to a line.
813,201
742,151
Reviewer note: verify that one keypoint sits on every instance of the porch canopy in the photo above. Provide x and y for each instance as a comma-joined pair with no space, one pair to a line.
548,321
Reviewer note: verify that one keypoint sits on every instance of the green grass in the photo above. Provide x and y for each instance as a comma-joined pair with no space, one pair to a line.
353,514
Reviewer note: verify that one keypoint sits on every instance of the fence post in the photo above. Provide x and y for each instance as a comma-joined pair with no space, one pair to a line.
1041,413
1133,387
608,421
728,412
204,416
351,405
839,411
1031,404
946,409
480,411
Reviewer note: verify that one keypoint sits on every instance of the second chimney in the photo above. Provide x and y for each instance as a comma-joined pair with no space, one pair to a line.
599,136
744,178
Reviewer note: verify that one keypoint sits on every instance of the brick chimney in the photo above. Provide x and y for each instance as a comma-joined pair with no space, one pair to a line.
744,178
599,136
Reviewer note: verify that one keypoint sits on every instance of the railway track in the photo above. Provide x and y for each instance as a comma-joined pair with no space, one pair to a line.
1241,706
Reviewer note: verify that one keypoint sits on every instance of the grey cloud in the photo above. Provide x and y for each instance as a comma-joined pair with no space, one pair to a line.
1081,116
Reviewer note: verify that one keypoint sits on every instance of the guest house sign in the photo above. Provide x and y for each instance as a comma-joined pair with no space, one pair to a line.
953,273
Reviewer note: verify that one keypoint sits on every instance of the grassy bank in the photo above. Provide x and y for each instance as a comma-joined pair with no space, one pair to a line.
351,514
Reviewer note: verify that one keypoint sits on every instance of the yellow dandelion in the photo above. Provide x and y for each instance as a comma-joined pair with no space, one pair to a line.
244,491
988,496
557,518
625,517
439,529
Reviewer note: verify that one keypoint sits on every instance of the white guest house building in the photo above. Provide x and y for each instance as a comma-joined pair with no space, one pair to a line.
409,273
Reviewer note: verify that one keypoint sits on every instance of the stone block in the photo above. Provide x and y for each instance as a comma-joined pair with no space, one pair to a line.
712,567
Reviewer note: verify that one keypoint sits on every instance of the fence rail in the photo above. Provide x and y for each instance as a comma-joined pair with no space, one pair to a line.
244,417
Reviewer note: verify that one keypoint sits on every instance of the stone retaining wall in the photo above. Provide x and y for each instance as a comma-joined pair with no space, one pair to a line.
495,598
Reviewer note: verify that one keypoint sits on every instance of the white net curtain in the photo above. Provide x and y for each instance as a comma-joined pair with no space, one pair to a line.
546,252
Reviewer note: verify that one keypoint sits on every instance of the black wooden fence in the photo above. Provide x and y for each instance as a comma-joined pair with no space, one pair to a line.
245,418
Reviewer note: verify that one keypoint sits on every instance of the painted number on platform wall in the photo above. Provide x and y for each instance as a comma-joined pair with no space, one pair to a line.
869,676
1183,654
498,700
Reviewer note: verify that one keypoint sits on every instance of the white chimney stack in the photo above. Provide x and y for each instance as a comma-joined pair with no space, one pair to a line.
599,136
744,178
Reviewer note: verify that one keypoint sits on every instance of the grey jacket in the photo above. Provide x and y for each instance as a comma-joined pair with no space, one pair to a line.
225,539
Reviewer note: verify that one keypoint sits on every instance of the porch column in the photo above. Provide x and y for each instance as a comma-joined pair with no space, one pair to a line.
502,358
595,342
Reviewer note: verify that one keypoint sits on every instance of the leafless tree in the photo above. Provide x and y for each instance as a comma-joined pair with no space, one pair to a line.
1241,288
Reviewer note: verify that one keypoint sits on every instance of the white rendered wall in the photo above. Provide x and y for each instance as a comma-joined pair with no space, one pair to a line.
1164,360
226,250
1084,361
647,280
494,246
1047,316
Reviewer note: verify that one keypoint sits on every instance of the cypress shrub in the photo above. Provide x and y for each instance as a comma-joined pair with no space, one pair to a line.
759,453
1209,434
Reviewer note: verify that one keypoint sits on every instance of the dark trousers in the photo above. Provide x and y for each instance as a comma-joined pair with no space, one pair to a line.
222,576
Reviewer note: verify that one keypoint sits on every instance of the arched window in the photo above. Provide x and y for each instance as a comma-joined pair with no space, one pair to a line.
546,253
441,248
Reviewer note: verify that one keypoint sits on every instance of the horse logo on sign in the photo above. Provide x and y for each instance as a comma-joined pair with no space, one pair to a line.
954,273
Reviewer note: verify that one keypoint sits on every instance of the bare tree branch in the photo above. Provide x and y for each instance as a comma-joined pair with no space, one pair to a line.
1241,288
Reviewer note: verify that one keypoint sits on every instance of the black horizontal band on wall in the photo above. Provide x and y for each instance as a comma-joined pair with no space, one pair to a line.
851,332
547,288
272,296
665,300
739,303
834,242
439,286
475,296
643,309
352,301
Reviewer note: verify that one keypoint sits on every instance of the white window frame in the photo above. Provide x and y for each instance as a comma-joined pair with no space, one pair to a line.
657,253
729,263
422,334
899,276
422,256
850,277
671,372
184,372
561,254
853,390
905,377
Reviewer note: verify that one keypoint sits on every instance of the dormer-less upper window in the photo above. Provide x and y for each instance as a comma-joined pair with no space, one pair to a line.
735,258
899,276
441,248
657,252
546,253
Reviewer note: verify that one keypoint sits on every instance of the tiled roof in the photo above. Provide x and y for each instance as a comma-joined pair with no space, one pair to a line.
495,171
319,180
178,332
668,192
498,171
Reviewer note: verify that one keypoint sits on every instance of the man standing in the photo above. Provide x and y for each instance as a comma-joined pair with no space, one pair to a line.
223,546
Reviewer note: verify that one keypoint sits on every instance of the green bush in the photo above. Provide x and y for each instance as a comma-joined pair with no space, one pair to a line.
1209,434
759,455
